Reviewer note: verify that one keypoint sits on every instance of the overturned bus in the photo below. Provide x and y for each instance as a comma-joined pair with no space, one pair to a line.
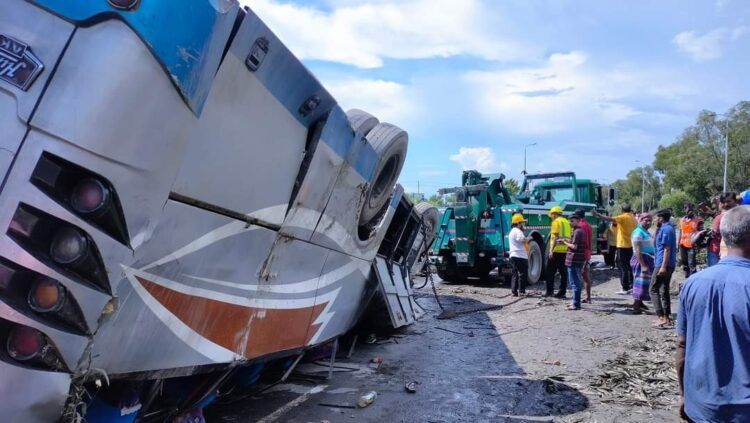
180,196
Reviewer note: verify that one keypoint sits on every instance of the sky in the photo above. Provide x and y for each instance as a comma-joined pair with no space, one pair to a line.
597,85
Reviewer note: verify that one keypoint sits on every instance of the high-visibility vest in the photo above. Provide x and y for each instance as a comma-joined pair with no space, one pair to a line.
565,233
687,228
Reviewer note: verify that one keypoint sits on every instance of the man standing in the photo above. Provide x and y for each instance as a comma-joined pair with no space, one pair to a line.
626,224
588,235
574,261
559,233
713,328
689,224
666,260
728,201
519,257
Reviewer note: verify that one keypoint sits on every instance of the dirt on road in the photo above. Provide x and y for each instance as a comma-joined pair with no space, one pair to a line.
530,360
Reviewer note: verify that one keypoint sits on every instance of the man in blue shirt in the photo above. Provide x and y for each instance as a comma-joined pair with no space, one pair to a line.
713,328
666,260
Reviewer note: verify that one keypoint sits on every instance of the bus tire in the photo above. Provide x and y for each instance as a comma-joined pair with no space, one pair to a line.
361,121
390,143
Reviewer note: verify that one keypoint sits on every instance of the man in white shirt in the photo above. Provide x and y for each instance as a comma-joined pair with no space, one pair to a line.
519,256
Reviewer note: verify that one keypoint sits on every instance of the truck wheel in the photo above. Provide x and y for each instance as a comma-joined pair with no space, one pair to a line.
390,143
361,121
431,217
536,262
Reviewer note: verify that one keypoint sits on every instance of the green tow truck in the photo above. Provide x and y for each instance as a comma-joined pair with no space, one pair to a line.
472,235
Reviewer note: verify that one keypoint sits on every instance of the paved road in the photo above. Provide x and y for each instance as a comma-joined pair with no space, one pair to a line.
493,366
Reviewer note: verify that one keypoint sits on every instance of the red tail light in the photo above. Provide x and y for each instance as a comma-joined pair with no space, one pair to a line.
89,196
29,347
25,343
47,296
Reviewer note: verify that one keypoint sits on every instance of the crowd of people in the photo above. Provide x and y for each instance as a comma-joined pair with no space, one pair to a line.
713,320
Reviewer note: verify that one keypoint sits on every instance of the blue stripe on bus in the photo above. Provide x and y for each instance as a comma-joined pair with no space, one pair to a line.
187,37
339,136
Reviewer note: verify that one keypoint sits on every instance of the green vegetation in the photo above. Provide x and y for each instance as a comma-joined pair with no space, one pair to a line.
692,168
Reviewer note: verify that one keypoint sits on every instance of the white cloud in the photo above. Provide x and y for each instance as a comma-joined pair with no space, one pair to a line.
478,158
562,95
363,34
386,100
708,46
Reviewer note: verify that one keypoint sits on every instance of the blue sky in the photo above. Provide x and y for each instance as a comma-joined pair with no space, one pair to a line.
596,84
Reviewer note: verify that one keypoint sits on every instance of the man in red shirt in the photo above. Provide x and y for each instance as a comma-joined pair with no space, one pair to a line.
728,201
589,234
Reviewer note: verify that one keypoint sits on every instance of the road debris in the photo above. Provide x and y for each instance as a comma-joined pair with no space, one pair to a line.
469,334
323,404
642,376
367,399
411,387
552,362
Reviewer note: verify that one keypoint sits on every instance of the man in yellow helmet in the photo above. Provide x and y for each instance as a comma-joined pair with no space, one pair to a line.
559,233
519,255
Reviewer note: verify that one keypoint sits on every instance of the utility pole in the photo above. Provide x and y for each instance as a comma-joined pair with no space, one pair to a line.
726,154
524,156
643,185
726,146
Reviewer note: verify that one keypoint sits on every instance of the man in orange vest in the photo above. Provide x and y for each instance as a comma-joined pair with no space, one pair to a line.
690,224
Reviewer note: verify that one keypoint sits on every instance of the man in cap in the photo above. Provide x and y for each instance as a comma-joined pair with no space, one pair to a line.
560,232
588,235
664,265
575,260
690,224
519,256
626,224
713,328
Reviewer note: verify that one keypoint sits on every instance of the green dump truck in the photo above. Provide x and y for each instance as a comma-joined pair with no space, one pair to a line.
472,235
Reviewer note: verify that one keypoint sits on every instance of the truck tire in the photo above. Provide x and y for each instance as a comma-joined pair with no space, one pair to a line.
390,143
430,215
536,262
361,121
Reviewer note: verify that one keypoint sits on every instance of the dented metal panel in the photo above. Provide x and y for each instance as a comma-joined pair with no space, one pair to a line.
187,40
396,289
249,140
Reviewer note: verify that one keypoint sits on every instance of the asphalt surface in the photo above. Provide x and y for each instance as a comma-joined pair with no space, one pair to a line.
529,361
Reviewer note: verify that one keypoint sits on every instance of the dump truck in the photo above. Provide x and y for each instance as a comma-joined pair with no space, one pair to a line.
472,235
181,199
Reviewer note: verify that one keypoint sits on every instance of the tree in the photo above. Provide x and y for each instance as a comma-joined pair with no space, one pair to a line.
675,200
436,200
512,186
629,189
694,164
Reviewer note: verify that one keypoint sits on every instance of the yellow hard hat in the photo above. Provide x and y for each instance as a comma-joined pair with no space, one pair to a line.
556,209
517,218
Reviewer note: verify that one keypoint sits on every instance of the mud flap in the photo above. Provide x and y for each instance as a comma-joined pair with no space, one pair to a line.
396,290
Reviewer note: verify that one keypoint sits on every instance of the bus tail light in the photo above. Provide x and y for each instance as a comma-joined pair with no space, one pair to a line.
86,194
60,245
29,347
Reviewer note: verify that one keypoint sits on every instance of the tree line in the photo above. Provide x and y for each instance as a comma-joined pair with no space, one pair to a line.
691,169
